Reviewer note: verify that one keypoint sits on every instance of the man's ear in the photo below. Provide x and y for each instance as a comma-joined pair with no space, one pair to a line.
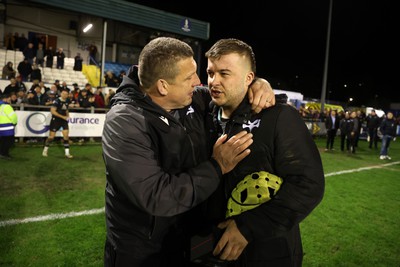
162,87
250,78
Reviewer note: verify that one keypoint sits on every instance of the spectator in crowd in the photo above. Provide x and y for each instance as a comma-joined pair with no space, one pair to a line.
84,100
24,69
34,84
73,101
8,71
64,86
92,48
353,131
50,96
269,233
21,42
40,55
121,75
13,87
388,129
39,96
360,116
331,125
13,98
78,60
110,79
373,122
29,53
9,41
60,58
99,97
32,100
8,121
108,98
58,85
344,127
20,83
49,57
155,123
59,120
76,90
36,73
43,87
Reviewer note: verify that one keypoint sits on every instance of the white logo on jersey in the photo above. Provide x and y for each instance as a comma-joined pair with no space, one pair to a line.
164,120
190,110
251,125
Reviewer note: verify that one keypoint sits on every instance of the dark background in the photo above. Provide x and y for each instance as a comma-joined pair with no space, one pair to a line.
289,39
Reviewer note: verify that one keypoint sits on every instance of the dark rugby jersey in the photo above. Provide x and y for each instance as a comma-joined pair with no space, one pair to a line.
62,106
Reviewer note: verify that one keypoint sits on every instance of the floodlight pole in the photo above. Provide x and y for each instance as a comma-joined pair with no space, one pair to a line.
103,51
325,79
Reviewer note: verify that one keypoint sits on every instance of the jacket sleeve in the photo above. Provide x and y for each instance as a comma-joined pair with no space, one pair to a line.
297,160
134,168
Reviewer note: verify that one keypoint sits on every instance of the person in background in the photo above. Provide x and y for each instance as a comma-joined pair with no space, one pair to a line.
36,73
373,122
78,62
157,157
8,71
13,87
8,121
24,69
331,125
50,96
40,53
361,120
344,131
353,131
121,75
388,129
110,79
282,149
108,98
60,58
59,120
29,53
99,97
49,57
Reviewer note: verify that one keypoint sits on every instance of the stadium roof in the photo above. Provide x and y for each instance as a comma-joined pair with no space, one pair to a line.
135,14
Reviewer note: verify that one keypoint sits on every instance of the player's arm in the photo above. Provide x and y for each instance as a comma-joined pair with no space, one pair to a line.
53,111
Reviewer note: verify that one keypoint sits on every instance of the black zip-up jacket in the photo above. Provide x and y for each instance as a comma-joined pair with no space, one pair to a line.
282,146
157,168
388,127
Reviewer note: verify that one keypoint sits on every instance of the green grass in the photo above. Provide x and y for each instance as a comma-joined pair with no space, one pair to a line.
356,224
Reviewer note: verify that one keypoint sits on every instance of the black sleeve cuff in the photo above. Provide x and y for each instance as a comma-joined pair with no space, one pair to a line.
216,166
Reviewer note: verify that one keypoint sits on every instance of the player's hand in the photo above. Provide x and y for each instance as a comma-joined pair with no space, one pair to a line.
231,152
232,243
261,95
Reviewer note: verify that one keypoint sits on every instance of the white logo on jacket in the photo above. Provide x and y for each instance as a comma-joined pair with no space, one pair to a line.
251,125
190,110
164,120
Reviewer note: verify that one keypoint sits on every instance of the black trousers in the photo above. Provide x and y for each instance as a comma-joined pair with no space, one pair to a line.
373,137
331,134
6,142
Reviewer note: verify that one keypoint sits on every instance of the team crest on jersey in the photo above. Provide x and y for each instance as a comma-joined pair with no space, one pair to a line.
64,107
190,110
251,124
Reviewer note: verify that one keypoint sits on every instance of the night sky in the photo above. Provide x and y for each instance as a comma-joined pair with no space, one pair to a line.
289,39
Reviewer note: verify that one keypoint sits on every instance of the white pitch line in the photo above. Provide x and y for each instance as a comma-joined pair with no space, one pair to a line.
49,217
101,210
362,169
